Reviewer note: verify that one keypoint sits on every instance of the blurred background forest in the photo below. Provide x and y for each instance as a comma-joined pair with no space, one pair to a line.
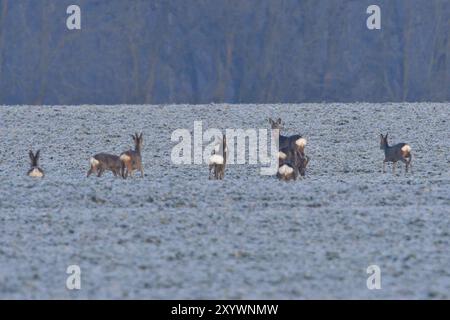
234,51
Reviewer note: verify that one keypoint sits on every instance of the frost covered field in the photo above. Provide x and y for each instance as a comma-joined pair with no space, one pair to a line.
174,234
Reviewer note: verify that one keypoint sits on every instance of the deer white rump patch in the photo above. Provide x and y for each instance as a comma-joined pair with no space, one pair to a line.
125,158
301,142
282,155
94,162
285,170
406,148
35,173
216,159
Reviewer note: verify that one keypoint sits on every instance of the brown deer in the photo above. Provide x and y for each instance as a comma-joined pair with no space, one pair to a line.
302,163
292,152
35,171
132,159
292,164
286,141
399,152
218,160
102,162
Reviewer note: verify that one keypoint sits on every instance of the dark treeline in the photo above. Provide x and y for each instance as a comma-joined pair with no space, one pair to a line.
237,51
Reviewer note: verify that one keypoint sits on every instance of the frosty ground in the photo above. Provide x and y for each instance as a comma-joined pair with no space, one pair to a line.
175,234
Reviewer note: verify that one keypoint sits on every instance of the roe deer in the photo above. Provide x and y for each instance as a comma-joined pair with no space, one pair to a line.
286,141
399,152
102,162
132,159
302,162
35,171
218,160
293,147
293,158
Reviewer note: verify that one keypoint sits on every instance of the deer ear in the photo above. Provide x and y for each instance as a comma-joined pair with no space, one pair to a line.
271,121
141,135
279,120
38,153
30,153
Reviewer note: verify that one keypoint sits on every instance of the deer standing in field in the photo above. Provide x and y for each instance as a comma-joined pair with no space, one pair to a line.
218,160
286,141
35,171
102,162
291,153
399,152
292,164
302,163
132,159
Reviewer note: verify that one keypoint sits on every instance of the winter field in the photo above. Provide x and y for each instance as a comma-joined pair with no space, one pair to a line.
175,234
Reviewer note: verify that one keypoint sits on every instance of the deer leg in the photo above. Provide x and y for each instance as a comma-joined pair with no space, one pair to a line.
406,164
213,171
130,170
122,171
409,163
89,172
394,164
217,172
384,166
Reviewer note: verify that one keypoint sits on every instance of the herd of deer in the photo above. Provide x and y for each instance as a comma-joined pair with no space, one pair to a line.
291,156
123,165
292,159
